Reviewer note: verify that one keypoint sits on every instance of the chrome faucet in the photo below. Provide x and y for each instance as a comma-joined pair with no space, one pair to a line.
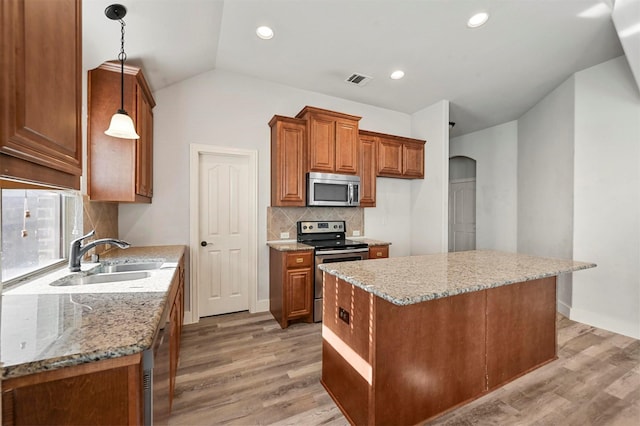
76,250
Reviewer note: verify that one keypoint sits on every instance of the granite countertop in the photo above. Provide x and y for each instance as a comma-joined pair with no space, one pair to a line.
415,279
288,246
47,327
370,241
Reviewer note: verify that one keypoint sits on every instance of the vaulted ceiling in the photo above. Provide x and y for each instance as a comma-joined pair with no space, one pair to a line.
490,74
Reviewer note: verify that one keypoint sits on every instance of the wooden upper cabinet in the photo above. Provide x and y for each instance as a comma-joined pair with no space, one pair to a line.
389,158
332,141
119,170
288,161
368,158
41,91
400,157
413,159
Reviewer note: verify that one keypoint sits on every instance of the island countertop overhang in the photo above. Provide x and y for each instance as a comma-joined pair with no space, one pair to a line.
414,279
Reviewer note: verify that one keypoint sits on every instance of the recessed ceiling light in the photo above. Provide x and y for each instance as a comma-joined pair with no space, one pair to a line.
397,75
478,20
264,33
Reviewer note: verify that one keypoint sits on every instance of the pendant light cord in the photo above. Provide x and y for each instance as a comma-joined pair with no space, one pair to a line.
122,57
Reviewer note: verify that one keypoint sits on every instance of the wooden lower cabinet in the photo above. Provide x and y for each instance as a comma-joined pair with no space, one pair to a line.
105,392
385,364
176,318
378,252
291,286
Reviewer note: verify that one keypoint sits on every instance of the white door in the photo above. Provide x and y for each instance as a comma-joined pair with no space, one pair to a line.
462,215
224,267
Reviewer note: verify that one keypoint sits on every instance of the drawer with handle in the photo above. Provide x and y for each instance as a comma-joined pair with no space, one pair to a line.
299,259
378,252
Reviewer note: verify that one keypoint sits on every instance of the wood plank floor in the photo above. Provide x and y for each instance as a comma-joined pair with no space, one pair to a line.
242,369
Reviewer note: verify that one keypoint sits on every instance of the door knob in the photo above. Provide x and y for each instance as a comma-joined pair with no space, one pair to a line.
204,243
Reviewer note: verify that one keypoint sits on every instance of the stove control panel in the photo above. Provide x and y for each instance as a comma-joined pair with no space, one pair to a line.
321,227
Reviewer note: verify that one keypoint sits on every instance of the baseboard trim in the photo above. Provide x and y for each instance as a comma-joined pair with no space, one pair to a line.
564,309
614,325
261,306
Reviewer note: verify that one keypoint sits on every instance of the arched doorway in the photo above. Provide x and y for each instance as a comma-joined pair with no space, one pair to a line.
462,203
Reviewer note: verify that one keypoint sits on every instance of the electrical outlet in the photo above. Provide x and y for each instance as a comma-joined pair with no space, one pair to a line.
343,314
356,233
284,235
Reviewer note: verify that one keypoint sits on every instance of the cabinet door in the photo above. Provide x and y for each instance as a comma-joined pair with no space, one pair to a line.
298,292
104,392
288,162
378,252
389,158
174,351
347,147
413,160
144,154
41,91
368,171
322,144
120,170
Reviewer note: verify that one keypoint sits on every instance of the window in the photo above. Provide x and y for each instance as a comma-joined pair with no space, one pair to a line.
37,225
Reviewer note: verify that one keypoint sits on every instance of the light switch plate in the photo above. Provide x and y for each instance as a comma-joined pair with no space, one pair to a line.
284,235
356,233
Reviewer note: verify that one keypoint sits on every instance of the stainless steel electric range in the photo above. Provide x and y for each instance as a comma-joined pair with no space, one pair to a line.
328,239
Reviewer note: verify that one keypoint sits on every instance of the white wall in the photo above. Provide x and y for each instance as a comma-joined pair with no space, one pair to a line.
225,109
496,153
430,196
545,181
607,198
390,220
626,18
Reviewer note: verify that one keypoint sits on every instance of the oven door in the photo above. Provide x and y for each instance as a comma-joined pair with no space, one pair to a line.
331,256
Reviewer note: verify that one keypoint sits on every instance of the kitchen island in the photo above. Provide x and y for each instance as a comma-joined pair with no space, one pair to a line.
406,339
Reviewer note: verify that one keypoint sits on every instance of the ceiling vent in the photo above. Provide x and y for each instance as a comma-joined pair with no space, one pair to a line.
358,79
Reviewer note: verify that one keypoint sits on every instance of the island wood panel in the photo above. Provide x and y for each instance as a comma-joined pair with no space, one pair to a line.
521,329
429,357
356,302
350,391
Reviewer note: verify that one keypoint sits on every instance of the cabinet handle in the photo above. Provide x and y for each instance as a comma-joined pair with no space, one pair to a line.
299,260
379,254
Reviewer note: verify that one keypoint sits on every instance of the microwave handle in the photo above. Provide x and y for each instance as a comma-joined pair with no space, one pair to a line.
350,194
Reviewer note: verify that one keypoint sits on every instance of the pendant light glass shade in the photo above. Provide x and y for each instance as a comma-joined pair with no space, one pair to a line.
122,127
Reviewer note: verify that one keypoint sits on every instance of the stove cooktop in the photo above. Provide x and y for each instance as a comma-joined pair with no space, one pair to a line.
326,235
335,244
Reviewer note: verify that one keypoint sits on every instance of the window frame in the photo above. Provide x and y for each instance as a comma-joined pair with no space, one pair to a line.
66,220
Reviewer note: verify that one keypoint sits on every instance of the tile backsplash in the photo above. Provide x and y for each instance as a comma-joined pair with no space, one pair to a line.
283,219
103,217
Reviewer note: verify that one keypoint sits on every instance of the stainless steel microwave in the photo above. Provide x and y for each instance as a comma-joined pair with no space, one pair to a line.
333,190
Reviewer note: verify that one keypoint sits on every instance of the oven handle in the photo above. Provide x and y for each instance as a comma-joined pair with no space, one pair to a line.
361,250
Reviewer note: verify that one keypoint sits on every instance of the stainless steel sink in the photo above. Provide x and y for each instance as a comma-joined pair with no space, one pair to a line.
101,278
127,267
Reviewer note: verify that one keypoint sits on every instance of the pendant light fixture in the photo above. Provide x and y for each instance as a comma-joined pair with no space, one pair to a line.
121,124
